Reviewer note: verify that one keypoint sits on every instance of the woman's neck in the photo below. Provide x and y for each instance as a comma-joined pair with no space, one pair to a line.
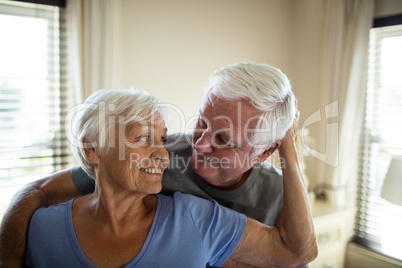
120,208
112,226
115,207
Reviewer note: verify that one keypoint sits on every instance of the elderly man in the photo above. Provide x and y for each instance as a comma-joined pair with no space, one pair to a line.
247,111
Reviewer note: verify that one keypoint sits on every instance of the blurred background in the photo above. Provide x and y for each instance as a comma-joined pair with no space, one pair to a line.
343,58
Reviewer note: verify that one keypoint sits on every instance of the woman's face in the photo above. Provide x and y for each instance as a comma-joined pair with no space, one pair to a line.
136,161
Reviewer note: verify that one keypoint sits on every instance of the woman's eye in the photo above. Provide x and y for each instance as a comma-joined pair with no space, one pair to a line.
144,138
201,122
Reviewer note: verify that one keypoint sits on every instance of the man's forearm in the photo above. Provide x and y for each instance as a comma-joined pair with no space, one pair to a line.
57,188
296,213
15,223
292,242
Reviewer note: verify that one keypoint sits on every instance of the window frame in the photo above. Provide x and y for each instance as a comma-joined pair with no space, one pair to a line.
365,196
61,157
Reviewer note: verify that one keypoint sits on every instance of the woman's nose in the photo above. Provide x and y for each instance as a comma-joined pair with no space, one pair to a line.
161,154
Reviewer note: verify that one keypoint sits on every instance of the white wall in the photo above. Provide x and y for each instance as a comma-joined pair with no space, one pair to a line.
305,72
171,47
387,7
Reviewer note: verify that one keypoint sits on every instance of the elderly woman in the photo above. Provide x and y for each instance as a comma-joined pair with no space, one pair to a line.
119,137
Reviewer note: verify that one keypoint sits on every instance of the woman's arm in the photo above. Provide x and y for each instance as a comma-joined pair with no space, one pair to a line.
293,242
56,188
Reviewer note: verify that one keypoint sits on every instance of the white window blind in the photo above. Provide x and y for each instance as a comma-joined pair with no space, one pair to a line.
33,92
378,223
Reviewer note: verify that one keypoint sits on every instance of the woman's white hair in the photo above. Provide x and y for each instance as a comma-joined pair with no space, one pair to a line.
104,110
267,89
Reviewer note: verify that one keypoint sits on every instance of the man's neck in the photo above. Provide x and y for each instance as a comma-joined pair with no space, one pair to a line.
236,184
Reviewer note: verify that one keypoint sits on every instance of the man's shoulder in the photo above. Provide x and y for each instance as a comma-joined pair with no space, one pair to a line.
267,169
178,142
178,139
267,181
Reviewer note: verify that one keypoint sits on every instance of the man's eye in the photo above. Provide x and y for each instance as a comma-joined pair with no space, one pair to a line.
224,141
229,146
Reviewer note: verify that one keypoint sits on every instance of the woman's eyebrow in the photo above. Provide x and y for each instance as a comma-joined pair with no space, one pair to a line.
147,128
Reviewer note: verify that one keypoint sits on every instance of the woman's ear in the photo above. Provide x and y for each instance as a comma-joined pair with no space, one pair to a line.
90,152
267,153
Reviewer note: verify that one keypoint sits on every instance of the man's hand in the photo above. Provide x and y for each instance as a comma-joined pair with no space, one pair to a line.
56,188
290,140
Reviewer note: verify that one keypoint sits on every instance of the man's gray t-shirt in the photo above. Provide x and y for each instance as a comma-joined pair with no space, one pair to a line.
260,197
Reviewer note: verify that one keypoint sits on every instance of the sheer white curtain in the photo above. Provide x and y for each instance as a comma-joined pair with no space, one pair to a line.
93,44
346,31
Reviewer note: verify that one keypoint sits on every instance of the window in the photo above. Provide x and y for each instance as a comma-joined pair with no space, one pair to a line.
378,222
33,94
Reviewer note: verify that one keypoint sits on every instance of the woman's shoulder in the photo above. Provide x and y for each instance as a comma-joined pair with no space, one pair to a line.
195,207
217,229
50,215
181,198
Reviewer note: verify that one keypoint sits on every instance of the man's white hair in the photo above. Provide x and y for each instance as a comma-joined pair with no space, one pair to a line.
102,111
267,89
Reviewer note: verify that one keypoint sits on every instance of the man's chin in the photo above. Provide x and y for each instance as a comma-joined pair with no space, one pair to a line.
205,172
220,184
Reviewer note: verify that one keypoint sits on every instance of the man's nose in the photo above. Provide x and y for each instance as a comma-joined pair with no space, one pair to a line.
204,143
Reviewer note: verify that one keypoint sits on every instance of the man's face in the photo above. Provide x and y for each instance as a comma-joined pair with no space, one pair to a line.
221,141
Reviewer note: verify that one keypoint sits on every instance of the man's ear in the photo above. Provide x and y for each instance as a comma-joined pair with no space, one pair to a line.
90,152
267,153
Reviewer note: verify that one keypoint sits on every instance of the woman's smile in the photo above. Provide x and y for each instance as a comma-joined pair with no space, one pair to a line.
158,171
